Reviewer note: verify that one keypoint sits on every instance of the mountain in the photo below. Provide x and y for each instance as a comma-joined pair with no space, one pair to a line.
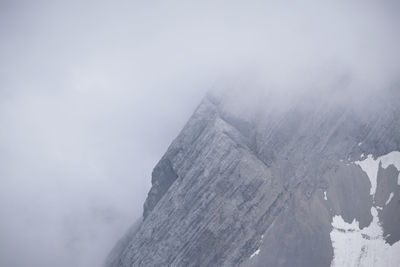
258,181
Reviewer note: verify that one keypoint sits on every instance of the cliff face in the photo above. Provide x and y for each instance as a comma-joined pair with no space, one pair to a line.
268,188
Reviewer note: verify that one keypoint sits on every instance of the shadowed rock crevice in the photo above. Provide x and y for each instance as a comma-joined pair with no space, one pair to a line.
162,177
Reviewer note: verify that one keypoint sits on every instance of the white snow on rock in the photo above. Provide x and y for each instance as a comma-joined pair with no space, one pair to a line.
255,253
325,197
353,246
390,198
365,247
370,166
393,158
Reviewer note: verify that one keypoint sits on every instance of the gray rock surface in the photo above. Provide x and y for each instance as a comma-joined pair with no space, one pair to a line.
237,182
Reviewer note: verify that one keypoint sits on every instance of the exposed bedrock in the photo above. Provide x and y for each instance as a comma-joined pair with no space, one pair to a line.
240,188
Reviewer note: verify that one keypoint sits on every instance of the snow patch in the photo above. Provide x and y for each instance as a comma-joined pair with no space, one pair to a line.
366,247
359,144
258,250
353,246
390,198
255,253
325,197
393,158
370,166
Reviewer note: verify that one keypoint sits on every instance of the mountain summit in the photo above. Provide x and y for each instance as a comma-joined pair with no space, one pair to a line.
308,182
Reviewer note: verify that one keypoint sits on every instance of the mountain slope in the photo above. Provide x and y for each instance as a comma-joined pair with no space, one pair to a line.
243,186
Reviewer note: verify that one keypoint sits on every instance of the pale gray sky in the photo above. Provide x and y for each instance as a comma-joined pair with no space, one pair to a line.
93,92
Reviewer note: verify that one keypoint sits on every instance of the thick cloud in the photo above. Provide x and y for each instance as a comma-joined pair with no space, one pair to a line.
92,93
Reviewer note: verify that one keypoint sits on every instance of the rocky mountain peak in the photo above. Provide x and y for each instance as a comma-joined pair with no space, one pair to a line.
245,186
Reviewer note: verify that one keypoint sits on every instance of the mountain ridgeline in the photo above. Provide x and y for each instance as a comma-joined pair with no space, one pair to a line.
315,183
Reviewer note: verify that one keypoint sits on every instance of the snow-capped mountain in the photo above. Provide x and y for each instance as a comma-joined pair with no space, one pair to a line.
315,183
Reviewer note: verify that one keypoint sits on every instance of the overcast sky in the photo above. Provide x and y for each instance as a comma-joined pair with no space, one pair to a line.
93,92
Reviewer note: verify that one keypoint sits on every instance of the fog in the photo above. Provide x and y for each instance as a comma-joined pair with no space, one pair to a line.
92,94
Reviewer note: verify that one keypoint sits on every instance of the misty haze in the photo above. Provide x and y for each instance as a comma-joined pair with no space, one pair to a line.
216,133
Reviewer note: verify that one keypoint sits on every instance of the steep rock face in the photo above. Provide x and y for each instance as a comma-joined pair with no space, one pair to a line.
261,188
